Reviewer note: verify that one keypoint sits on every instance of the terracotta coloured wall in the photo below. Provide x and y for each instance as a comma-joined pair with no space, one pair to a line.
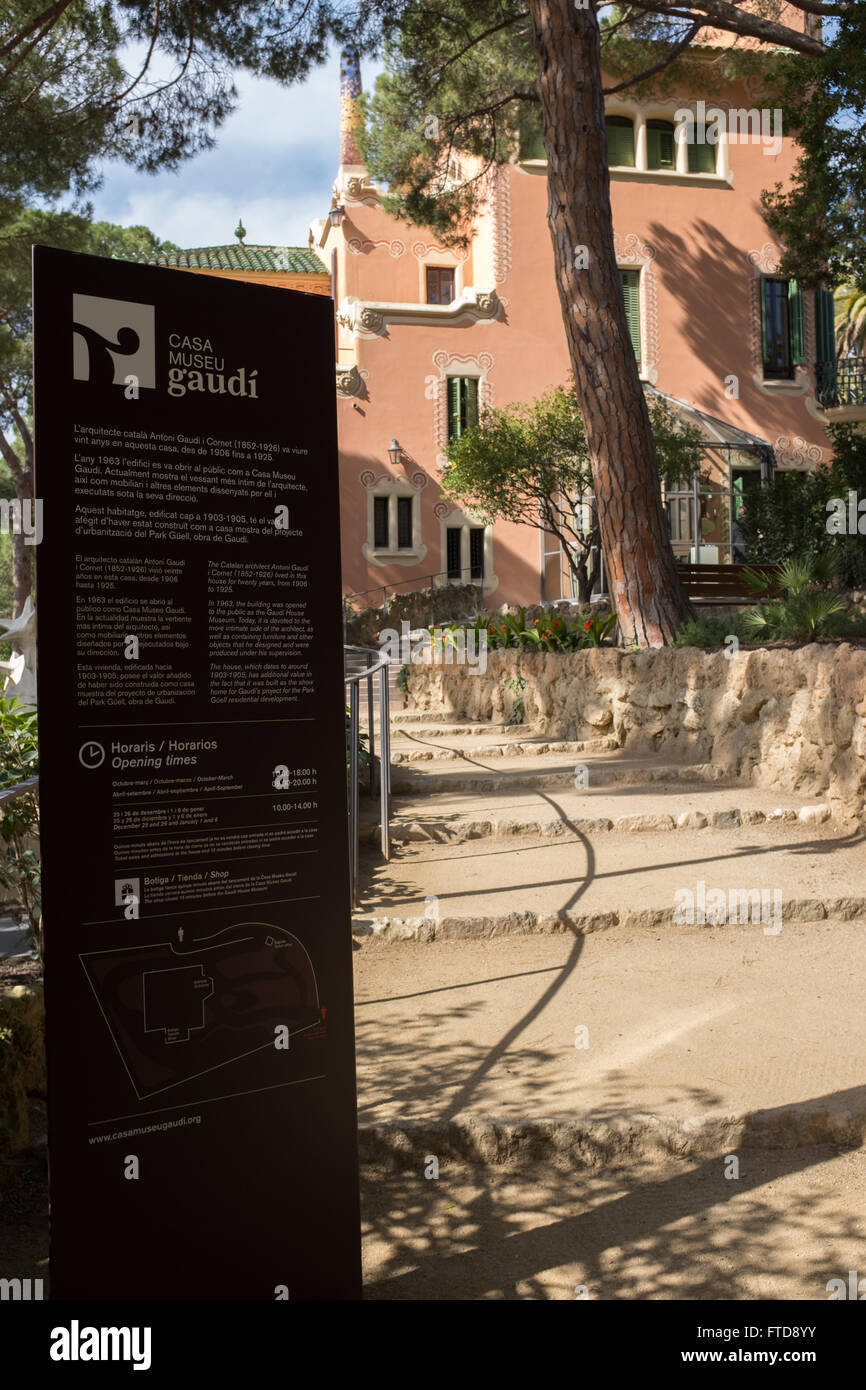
700,244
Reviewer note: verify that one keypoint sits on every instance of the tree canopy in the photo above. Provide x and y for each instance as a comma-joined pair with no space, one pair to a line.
19,230
147,81
461,77
530,463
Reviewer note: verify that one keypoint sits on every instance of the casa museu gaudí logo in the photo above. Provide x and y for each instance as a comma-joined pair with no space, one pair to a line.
115,344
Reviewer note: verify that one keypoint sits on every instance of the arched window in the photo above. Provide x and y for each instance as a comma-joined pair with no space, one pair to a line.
620,142
660,148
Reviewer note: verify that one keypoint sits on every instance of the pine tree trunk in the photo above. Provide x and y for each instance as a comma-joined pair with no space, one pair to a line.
22,554
640,569
22,573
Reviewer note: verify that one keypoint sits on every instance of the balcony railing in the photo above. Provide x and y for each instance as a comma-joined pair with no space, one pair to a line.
841,383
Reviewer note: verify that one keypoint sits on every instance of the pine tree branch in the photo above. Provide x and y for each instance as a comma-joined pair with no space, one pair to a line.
664,62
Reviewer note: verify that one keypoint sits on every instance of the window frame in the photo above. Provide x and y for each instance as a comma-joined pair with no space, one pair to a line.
378,499
402,501
619,122
656,126
633,314
458,419
438,271
791,335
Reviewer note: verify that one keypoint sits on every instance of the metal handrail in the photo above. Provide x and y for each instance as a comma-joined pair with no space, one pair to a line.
419,581
395,584
842,382
376,663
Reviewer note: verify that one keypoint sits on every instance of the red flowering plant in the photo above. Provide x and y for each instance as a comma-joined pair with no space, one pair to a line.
597,628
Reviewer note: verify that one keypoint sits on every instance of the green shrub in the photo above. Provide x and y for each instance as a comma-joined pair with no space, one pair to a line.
711,632
20,866
549,632
808,606
788,519
517,685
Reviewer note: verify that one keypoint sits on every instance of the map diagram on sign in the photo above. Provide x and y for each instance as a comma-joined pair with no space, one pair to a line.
186,1011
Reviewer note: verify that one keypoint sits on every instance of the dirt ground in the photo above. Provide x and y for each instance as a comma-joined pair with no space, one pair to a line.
679,1230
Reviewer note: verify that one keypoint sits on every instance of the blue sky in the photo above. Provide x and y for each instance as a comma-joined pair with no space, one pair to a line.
273,166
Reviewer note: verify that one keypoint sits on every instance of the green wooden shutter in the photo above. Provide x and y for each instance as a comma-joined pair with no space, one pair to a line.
702,158
630,282
765,344
825,326
470,412
797,320
454,430
620,142
530,136
660,150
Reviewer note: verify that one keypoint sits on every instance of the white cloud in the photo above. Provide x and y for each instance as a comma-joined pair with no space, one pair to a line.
273,167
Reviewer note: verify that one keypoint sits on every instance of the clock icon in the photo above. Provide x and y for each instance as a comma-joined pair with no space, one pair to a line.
91,754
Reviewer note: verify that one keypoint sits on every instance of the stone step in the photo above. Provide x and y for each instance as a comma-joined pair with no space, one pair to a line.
599,766
405,751
452,819
497,732
594,881
435,716
594,1045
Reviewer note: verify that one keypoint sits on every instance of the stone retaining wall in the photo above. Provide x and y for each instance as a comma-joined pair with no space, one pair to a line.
22,1065
790,719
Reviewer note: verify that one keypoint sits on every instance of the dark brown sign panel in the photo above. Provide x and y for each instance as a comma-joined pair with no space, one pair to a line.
202,1118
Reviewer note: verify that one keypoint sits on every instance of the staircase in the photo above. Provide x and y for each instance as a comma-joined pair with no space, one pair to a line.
539,888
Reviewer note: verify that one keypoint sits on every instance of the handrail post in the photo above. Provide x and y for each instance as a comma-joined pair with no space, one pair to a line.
354,704
384,762
369,684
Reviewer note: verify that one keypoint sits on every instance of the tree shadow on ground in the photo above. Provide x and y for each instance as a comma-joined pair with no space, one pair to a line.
656,1228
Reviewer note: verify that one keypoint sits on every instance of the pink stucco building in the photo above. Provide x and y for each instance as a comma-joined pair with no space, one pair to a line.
426,336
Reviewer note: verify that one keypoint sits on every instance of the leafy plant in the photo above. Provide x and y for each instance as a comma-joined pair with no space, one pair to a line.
402,680
711,632
787,520
530,463
807,609
549,632
364,760
516,684
597,628
20,864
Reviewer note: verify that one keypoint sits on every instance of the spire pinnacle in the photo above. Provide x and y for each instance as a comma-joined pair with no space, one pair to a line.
350,115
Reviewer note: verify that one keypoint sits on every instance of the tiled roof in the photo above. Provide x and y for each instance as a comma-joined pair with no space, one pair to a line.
237,257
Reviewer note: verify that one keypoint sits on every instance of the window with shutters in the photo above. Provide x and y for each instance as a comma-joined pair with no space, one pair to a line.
630,283
440,284
660,148
462,404
467,550
380,522
702,155
530,139
404,523
452,561
394,522
825,326
783,327
476,554
620,141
